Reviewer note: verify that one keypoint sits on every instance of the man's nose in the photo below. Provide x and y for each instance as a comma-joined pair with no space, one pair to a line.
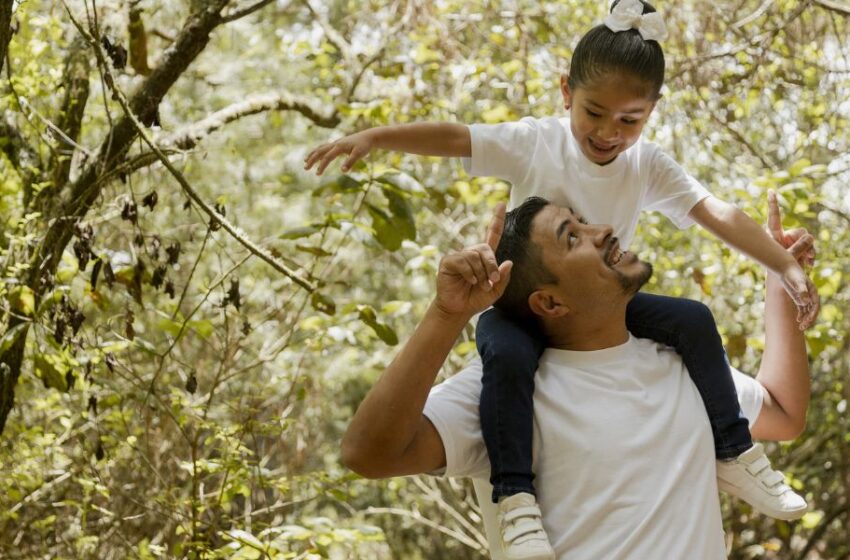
599,233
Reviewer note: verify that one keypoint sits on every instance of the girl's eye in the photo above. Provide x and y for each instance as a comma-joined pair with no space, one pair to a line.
629,121
591,113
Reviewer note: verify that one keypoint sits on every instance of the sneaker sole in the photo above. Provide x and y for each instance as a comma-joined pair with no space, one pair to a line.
784,515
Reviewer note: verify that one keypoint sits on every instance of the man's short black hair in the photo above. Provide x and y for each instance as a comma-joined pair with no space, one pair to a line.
528,272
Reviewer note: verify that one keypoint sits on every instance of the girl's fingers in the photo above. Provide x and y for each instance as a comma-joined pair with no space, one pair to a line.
315,155
329,157
355,156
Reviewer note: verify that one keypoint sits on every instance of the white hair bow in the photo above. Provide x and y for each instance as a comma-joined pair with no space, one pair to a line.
628,14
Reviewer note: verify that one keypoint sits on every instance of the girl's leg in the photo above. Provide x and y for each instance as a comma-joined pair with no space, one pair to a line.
510,352
688,326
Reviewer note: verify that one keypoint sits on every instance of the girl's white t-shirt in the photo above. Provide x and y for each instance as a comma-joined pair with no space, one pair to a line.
540,157
623,452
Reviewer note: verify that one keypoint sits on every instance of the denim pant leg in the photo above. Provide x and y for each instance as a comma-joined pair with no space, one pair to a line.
510,352
689,327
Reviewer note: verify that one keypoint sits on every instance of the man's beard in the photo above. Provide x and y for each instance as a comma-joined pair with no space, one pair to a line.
632,283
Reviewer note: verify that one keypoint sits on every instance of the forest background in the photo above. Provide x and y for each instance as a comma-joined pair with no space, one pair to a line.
189,319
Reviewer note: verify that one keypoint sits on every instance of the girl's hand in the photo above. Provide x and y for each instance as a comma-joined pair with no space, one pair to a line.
356,146
800,244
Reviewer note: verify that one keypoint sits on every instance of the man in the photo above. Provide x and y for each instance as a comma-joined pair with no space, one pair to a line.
623,448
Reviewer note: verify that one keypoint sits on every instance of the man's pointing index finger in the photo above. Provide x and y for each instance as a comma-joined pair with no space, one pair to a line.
497,225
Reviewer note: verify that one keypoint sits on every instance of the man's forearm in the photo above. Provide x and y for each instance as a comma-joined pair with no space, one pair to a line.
739,231
387,420
784,370
426,139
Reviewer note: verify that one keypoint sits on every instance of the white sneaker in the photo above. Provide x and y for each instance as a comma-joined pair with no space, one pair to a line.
521,526
750,478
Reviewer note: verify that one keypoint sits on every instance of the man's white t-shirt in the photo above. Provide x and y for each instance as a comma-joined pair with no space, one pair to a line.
540,157
623,452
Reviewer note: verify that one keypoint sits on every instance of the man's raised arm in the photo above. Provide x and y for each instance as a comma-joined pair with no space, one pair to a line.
784,370
389,436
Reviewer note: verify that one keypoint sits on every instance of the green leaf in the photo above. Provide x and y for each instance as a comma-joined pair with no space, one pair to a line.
384,332
298,233
10,336
318,251
322,303
51,368
339,184
22,300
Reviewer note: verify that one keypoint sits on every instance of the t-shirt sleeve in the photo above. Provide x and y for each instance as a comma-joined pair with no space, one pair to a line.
750,395
672,191
502,150
452,407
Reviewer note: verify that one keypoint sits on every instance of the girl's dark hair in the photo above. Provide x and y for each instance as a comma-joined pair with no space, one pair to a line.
602,51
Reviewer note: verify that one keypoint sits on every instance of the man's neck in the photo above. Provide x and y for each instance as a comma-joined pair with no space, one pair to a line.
593,333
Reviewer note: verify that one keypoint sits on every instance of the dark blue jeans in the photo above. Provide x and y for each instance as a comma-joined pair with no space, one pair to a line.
511,350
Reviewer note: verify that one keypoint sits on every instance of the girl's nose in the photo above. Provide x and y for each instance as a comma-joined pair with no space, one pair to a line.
608,131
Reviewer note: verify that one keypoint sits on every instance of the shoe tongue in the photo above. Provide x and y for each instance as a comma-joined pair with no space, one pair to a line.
519,500
752,452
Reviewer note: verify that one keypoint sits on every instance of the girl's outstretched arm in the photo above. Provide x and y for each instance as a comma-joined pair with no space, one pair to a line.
739,231
425,139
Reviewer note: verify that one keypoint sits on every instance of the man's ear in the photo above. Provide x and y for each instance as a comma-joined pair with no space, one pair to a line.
545,304
565,91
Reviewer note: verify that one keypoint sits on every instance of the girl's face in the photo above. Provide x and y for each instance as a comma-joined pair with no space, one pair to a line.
607,117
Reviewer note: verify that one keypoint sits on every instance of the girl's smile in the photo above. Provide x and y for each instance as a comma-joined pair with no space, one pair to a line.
607,117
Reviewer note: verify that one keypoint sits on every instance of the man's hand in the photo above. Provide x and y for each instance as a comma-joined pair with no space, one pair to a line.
356,146
470,281
800,244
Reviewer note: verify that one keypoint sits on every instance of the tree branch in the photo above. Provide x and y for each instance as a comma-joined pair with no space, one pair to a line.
834,6
191,135
333,36
76,80
5,28
238,14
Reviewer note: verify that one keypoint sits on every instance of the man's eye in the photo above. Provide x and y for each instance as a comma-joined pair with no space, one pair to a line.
629,121
582,221
591,113
571,238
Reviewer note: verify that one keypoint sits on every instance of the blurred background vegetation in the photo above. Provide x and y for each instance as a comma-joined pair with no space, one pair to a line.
183,344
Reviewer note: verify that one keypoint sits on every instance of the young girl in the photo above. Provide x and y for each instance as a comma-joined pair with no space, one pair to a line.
596,162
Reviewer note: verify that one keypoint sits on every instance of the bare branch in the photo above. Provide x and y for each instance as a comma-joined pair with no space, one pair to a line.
753,16
189,136
238,14
334,36
834,6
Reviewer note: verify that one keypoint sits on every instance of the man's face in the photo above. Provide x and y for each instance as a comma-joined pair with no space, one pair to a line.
587,260
607,117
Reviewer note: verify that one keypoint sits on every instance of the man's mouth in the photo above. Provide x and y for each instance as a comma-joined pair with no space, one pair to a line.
614,255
